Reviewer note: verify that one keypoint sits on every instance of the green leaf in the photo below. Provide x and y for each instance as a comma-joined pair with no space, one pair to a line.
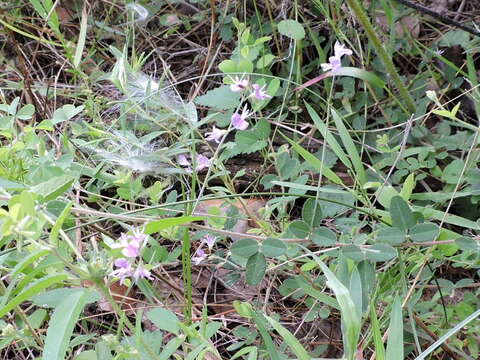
221,98
53,298
245,248
228,66
60,326
81,38
290,339
58,224
355,288
164,319
34,289
299,229
159,225
267,339
256,267
380,252
467,244
361,74
264,61
324,236
65,113
408,186
424,232
87,355
377,336
317,294
273,247
292,29
26,112
54,187
312,213
392,236
350,147
401,214
395,335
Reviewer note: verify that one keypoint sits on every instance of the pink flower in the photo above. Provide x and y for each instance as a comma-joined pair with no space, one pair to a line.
131,244
141,273
340,50
124,269
210,241
259,93
238,84
201,256
203,162
238,120
182,160
215,135
335,62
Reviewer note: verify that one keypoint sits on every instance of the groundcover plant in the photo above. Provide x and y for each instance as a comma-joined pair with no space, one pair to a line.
239,179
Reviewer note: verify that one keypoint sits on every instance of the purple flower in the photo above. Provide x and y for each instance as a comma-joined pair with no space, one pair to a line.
238,120
130,244
239,84
335,62
210,241
200,256
124,269
203,162
141,273
215,135
182,160
259,93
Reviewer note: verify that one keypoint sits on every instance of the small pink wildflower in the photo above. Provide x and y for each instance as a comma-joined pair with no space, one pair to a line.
215,135
259,93
239,84
203,162
130,244
335,62
182,160
141,273
201,256
210,241
123,271
238,120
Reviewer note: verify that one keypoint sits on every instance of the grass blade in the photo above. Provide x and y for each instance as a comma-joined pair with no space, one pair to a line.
350,147
377,336
395,335
81,37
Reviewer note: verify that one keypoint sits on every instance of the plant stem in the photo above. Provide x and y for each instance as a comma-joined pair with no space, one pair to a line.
359,11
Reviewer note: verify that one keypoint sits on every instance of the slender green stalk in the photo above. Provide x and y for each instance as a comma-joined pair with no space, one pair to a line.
359,11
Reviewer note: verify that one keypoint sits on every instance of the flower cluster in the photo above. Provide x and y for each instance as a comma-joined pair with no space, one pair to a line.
258,92
335,62
203,162
200,254
125,267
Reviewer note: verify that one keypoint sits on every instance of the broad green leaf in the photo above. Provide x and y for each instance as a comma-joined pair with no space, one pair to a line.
159,225
53,298
366,269
424,232
171,348
323,236
313,161
273,247
312,213
60,326
65,113
243,309
299,229
401,214
87,355
54,187
256,267
228,66
292,29
408,186
350,147
245,247
375,253
467,244
221,98
264,61
361,74
392,236
34,289
355,289
164,319
290,339
395,335
26,112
